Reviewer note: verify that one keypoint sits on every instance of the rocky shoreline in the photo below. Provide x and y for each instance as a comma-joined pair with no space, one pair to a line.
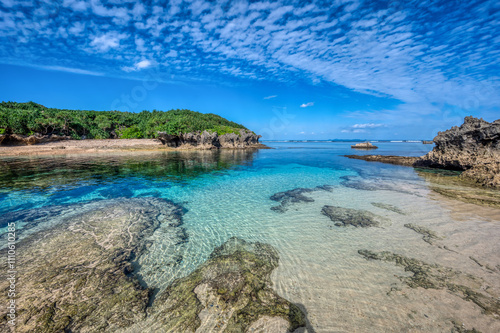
473,148
78,275
55,145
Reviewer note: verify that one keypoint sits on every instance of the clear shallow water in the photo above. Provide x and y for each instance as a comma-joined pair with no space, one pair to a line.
227,194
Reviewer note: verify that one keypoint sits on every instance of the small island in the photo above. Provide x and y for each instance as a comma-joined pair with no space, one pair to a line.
28,124
364,145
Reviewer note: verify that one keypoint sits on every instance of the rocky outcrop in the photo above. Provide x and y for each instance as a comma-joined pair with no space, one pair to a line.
76,276
228,293
17,139
474,148
78,273
364,145
391,159
211,140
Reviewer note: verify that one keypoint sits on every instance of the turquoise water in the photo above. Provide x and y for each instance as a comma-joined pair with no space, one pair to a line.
227,193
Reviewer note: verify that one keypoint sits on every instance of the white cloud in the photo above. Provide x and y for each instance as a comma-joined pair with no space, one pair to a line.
272,96
305,105
143,64
70,70
107,41
371,125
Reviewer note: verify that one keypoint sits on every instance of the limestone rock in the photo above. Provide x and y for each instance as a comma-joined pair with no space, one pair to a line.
364,145
474,148
211,140
228,293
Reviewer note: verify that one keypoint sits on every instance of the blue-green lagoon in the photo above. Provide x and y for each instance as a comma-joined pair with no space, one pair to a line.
426,264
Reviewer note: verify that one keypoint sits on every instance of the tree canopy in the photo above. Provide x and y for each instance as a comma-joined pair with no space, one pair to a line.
30,118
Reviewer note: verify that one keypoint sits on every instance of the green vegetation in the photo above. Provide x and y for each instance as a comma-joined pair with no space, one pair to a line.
30,118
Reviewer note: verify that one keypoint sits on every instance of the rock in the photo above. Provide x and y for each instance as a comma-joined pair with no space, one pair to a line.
288,197
17,139
391,159
296,195
76,276
428,235
207,140
389,207
229,293
364,145
343,217
433,276
474,147
426,142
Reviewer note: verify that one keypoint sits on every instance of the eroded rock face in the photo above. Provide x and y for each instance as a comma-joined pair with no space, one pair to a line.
207,140
343,217
474,148
228,293
17,139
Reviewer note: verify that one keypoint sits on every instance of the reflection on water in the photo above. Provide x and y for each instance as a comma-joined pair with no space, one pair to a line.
227,193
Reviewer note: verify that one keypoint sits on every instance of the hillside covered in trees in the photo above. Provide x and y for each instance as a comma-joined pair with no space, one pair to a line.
31,118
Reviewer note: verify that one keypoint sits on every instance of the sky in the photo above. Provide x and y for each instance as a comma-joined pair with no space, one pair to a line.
337,69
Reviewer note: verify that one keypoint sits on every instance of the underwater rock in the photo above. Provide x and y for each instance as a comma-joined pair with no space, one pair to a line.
296,195
230,292
428,235
433,276
355,217
288,197
378,184
364,145
211,140
389,207
453,187
77,275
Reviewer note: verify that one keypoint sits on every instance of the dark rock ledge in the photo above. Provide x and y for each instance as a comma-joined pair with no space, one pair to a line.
78,276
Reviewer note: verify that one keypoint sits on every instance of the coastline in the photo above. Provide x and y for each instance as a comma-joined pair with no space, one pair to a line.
92,146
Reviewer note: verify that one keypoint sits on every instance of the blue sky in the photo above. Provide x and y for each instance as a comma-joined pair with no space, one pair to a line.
285,69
